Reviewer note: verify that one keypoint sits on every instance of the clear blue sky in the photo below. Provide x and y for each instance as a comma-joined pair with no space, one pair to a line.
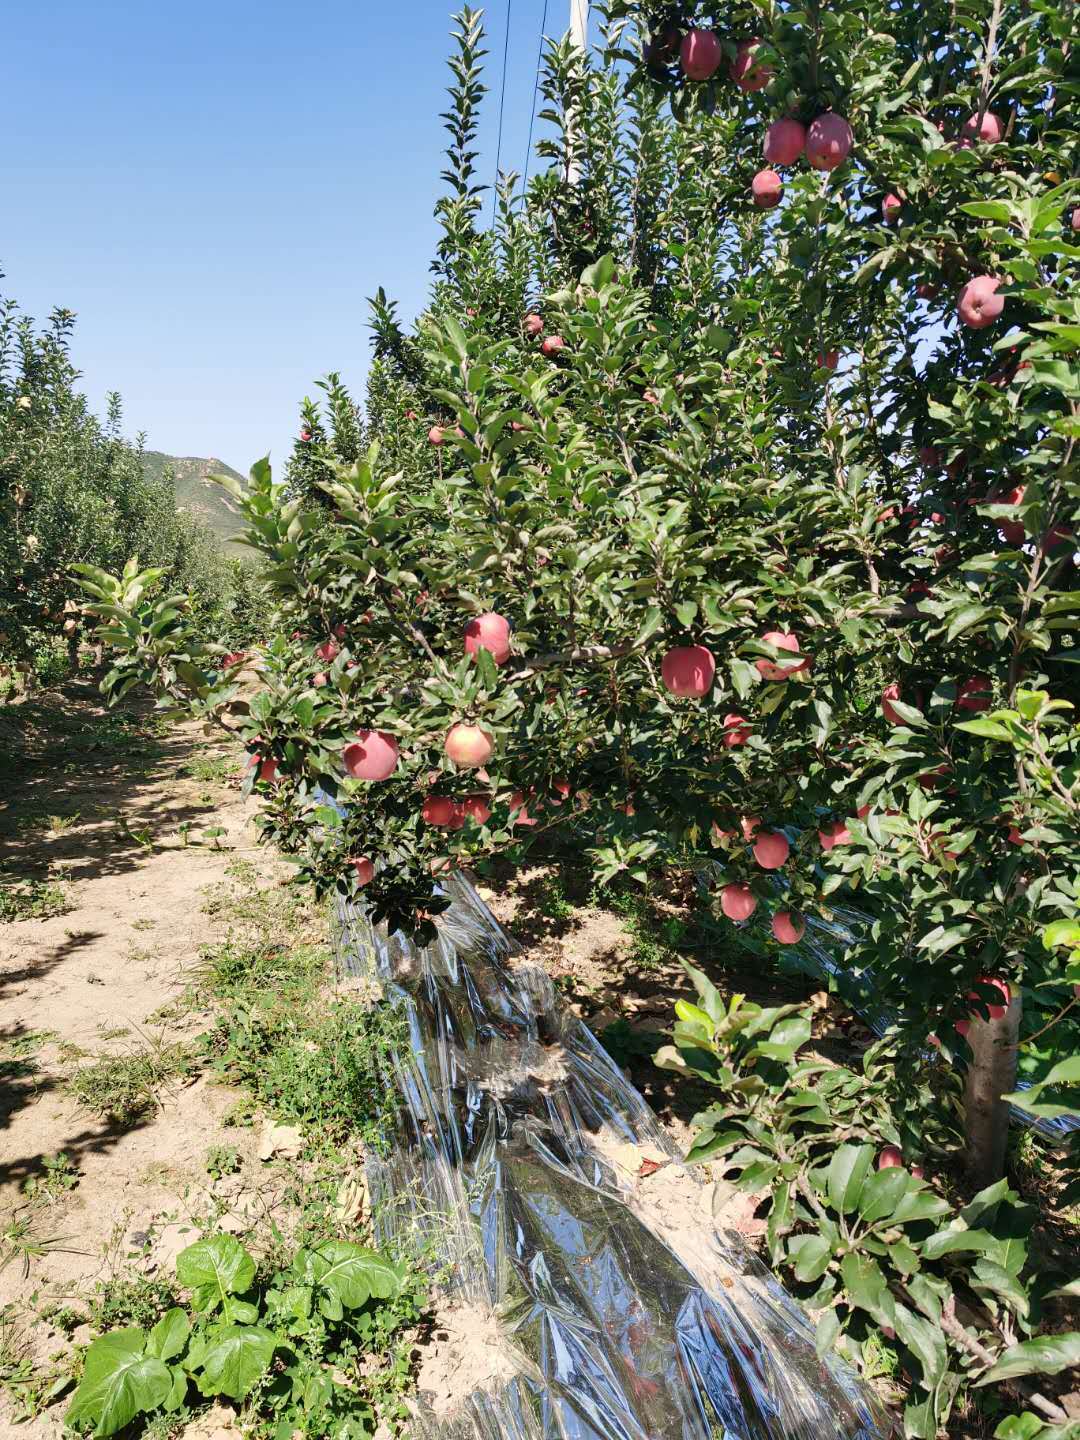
216,186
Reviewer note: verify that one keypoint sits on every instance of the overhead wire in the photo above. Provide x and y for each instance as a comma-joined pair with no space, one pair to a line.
502,108
536,92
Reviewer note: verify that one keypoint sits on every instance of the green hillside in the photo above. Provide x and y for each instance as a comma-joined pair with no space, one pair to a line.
196,494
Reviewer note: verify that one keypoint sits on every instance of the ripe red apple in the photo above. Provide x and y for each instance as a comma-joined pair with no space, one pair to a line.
321,679
700,54
891,692
737,901
974,693
688,670
236,658
662,45
917,1172
562,790
553,345
890,208
489,631
828,359
787,927
519,811
931,779
749,76
475,807
995,1011
650,397
1014,836
1075,219
435,435
833,834
890,1158
767,189
926,291
328,651
828,141
373,755
410,415
469,746
533,324
365,870
989,130
736,731
782,640
305,435
771,849
979,303
930,457
1013,530
785,141
438,811
267,770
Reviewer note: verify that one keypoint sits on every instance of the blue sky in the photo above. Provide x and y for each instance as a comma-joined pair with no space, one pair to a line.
215,187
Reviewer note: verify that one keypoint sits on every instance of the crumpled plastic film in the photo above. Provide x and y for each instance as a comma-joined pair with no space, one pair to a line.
516,1164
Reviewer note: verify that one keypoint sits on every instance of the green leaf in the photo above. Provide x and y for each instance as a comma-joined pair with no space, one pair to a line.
883,1192
352,1273
865,1286
119,1381
810,1255
235,1359
1019,1427
1048,1355
827,1332
847,1174
169,1336
214,1269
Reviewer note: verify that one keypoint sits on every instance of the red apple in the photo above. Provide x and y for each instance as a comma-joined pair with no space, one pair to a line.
828,359
930,457
974,694
365,870
438,811
833,834
321,679
771,849
926,291
373,755
688,670
1013,530
475,807
749,825
736,731
787,927
435,435
489,632
305,435
890,1158
782,640
989,130
749,76
533,324
700,54
1075,219
979,303
267,769
918,1173
995,1011
785,141
891,692
328,651
767,189
519,811
890,208
828,141
469,746
553,345
737,901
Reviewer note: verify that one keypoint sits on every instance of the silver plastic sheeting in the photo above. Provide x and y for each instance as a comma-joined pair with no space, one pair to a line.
628,1320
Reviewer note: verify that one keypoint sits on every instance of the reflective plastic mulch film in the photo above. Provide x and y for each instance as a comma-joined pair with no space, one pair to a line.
518,1162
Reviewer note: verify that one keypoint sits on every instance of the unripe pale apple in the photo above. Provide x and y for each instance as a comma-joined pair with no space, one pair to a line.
836,833
889,1158
365,870
435,435
553,345
782,640
990,130
785,141
438,811
979,303
890,208
787,927
767,189
688,670
748,76
469,746
489,632
771,850
373,755
974,694
737,901
828,141
736,731
700,54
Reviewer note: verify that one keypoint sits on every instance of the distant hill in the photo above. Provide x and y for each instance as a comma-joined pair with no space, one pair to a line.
198,495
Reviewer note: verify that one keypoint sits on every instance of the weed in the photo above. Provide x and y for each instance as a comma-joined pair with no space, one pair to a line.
58,1178
22,1241
32,900
222,1160
59,824
125,1088
143,924
29,1386
210,768
137,1300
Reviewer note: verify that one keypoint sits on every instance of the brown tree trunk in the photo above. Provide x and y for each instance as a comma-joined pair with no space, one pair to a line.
991,1074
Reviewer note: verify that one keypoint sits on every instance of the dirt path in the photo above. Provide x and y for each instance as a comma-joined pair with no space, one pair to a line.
113,839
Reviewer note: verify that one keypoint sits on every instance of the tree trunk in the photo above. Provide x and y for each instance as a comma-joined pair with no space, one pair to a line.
991,1074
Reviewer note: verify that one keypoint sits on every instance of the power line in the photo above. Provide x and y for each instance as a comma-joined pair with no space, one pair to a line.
502,107
536,92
